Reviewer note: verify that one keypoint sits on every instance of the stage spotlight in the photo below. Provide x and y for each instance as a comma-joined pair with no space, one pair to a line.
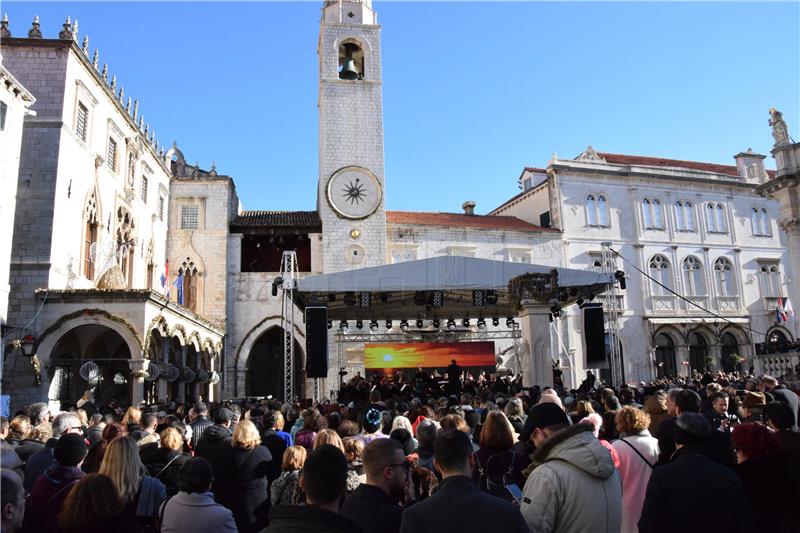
388,324
343,325
435,323
403,326
495,321
580,302
330,324
420,298
451,324
491,297
556,311
420,324
349,299
510,323
359,324
465,322
620,276
373,326
481,323
331,297
278,281
384,297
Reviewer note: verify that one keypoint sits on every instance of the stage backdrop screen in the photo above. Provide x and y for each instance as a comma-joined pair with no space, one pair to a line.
428,354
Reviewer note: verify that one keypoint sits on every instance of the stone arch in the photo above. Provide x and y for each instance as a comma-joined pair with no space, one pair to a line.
355,47
741,335
179,332
159,324
671,331
194,340
49,338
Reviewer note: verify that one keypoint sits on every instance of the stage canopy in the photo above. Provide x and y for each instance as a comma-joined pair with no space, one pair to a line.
440,288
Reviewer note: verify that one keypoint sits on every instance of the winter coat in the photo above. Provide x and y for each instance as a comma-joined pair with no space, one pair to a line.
305,439
496,464
247,493
308,519
199,426
785,396
164,465
215,446
276,445
634,472
47,497
283,489
198,513
373,510
38,463
459,506
574,485
26,448
692,493
773,490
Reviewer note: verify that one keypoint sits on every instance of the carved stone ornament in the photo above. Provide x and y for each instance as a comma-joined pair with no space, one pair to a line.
112,279
4,32
66,33
590,154
780,131
540,287
35,32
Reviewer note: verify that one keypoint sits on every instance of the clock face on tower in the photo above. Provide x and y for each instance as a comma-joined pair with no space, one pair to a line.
354,192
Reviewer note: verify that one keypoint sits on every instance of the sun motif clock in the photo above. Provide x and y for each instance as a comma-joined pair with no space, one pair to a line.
354,192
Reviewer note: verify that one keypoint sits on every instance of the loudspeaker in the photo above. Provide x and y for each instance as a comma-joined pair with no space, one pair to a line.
594,334
316,342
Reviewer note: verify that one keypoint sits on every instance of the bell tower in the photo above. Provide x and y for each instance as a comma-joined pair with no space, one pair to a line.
350,194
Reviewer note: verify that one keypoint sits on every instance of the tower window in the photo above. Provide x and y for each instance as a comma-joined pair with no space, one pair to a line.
189,215
351,61
82,122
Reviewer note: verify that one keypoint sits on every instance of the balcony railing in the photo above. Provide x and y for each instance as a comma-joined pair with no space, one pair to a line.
698,303
662,304
728,303
776,364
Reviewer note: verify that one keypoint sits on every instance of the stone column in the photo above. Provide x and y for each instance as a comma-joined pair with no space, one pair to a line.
181,384
162,381
537,360
137,383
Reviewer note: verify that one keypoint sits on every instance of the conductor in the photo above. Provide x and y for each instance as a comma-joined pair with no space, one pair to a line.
453,378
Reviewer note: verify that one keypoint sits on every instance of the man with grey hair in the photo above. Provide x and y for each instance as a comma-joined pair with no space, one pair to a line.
38,463
12,501
692,489
770,385
39,413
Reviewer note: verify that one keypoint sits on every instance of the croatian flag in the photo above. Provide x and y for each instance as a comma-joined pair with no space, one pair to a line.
780,312
164,278
179,285
788,309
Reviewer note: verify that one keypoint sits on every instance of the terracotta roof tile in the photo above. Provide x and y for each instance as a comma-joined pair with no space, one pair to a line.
295,219
623,159
462,220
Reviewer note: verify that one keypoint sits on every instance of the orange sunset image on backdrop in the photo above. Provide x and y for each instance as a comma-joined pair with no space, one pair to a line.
428,354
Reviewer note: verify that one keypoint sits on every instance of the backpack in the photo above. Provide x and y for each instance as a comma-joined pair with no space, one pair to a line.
493,484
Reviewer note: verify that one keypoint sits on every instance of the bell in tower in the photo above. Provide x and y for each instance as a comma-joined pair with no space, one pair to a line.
351,62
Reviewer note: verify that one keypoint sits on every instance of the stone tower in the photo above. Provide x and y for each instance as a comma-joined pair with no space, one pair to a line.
350,194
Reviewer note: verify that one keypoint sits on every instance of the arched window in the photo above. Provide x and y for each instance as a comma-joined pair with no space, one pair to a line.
684,217
190,275
726,279
659,271
591,210
770,280
715,218
126,244
760,222
652,215
351,60
766,227
665,356
602,211
693,277
90,237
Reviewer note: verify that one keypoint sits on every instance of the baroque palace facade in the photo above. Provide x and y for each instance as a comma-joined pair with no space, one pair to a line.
104,212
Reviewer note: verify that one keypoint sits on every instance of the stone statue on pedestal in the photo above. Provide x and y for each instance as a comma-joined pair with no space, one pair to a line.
780,132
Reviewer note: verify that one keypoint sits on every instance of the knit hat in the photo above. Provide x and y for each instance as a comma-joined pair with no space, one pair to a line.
70,449
543,415
754,399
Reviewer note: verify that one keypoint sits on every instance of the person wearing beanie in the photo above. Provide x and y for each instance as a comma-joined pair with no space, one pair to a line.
569,460
51,488
679,494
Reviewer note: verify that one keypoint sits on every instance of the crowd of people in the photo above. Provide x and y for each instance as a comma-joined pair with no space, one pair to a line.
720,452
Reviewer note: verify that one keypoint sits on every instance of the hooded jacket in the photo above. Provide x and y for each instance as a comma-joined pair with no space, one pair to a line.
215,445
573,486
48,495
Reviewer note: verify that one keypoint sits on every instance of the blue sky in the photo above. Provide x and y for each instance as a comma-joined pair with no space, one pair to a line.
473,92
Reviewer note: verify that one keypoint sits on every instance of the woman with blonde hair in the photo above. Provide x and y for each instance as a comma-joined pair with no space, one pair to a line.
132,419
165,462
329,436
288,483
248,492
638,452
140,494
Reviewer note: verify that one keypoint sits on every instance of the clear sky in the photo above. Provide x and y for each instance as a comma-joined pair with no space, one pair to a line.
473,92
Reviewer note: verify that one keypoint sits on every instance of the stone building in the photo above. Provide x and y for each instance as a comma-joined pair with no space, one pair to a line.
704,256
89,241
15,103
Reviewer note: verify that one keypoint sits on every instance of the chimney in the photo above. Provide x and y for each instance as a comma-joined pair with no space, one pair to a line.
750,166
468,207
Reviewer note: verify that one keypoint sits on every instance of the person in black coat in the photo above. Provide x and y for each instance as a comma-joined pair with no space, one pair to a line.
274,443
215,446
200,422
693,493
458,504
247,487
781,394
375,505
164,463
